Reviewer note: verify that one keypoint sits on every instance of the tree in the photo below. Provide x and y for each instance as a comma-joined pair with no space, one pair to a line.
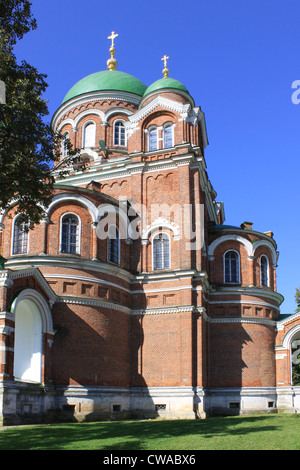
297,298
28,147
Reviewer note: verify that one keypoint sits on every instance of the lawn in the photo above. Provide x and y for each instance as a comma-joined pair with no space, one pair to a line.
259,432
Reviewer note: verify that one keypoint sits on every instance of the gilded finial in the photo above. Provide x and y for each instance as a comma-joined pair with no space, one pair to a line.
165,70
112,63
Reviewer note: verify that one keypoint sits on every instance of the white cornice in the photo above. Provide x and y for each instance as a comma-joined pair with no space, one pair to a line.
93,303
182,109
92,97
69,262
9,275
252,291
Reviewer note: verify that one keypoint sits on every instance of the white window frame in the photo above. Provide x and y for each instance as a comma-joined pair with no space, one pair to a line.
260,271
13,238
119,139
149,130
86,124
78,234
168,125
239,268
153,258
108,244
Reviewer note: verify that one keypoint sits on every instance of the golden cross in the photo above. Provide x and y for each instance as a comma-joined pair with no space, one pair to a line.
112,37
164,58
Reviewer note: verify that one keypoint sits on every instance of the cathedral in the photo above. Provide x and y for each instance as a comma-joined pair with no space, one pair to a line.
132,298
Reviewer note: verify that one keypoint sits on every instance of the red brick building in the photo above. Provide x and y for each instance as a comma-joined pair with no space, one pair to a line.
132,297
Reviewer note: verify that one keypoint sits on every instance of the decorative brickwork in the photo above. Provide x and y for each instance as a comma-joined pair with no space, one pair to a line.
189,333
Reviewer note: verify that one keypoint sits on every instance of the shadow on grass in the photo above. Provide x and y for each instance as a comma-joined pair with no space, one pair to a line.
130,435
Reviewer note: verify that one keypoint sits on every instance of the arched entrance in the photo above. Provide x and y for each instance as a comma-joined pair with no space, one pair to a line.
32,318
28,342
295,359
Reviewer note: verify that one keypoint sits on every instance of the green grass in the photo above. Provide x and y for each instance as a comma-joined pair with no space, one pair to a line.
259,432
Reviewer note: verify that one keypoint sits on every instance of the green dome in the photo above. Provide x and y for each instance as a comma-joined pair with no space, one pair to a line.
165,82
111,80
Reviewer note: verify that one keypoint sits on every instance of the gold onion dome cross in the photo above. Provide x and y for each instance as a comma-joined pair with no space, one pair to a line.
112,63
165,70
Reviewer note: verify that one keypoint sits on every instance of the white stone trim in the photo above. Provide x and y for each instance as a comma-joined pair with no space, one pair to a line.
90,98
251,291
231,237
86,279
261,321
70,262
169,310
161,223
92,303
286,343
42,305
250,302
64,197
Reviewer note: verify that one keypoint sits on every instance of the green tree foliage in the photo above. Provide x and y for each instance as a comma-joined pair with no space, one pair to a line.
297,298
28,147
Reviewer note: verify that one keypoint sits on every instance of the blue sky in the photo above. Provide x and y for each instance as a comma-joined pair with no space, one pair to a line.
237,58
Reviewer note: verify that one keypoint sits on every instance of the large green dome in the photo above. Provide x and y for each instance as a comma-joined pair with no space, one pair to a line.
163,83
107,80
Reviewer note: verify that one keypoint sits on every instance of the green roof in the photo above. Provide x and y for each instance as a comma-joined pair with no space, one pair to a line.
110,80
165,82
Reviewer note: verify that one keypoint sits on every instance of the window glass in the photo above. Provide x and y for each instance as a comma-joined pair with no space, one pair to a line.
119,134
64,149
232,267
152,139
20,242
161,251
113,245
264,271
89,135
70,234
168,136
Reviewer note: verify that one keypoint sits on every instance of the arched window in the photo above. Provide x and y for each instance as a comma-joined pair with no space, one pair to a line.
89,135
161,251
70,234
119,134
64,149
232,268
21,236
152,139
168,135
113,245
264,268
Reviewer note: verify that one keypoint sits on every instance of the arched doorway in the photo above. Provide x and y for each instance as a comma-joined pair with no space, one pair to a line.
28,342
295,359
32,319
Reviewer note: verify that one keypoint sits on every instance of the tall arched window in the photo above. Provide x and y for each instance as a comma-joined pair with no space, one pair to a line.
152,139
64,150
70,234
232,267
264,267
119,133
113,245
89,135
21,236
168,135
161,251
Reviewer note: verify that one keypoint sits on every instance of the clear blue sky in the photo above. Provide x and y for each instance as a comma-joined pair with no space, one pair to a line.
237,58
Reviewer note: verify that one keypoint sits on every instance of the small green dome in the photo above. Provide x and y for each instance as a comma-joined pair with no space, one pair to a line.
110,80
165,82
